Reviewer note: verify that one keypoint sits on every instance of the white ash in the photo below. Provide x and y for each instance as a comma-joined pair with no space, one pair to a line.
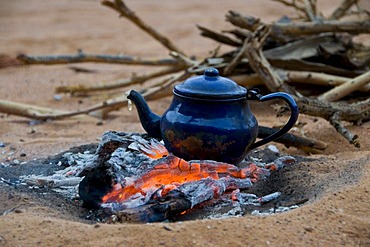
66,180
272,211
252,199
236,211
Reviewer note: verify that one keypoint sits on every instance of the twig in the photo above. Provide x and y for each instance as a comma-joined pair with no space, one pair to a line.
305,144
315,78
308,28
346,88
81,57
26,110
335,120
239,56
342,9
248,22
122,8
119,83
314,6
310,7
206,32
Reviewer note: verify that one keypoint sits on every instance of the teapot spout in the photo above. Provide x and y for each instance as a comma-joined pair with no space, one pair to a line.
149,120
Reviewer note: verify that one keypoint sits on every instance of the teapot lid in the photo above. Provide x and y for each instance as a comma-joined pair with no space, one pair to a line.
210,86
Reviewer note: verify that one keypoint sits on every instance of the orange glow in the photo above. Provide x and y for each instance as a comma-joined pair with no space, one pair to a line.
158,153
171,172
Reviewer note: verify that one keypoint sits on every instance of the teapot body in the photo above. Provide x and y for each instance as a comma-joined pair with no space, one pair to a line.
221,130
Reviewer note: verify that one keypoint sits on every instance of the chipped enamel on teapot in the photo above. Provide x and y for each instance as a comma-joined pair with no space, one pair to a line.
210,119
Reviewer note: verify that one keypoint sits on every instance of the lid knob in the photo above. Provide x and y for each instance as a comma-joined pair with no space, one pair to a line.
212,72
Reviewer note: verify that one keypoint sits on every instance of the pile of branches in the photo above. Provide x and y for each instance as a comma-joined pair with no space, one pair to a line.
311,49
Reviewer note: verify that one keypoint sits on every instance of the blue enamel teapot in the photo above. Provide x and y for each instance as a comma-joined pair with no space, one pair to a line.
210,119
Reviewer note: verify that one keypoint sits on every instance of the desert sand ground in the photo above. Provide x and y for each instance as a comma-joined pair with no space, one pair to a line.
339,215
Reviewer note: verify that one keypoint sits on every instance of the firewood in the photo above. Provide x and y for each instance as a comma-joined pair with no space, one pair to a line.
346,88
81,57
334,113
27,110
219,37
315,78
295,29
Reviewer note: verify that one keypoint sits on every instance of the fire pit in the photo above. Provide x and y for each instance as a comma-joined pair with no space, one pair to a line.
131,177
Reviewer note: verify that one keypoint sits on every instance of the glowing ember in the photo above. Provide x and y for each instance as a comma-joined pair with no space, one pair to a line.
171,172
134,178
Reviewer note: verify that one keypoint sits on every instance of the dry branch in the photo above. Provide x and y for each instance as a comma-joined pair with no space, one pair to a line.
335,120
346,88
81,57
294,29
342,9
308,28
315,78
29,111
296,78
219,37
238,58
310,9
122,8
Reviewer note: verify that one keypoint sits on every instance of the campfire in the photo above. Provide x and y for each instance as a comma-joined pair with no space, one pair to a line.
132,177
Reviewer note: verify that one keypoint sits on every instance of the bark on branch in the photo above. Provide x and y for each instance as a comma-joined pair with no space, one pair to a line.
81,57
294,29
346,88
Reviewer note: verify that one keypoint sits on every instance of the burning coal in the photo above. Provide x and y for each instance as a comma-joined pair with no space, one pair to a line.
143,174
172,173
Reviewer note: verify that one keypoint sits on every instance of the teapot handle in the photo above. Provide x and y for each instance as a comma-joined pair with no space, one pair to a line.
255,94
